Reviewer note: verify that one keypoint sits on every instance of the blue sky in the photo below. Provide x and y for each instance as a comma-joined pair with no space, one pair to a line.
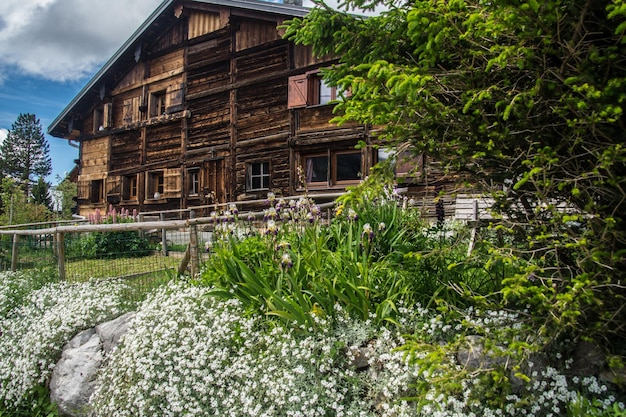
48,51
46,99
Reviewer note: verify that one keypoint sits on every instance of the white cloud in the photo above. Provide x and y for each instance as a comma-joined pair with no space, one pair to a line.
65,40
3,135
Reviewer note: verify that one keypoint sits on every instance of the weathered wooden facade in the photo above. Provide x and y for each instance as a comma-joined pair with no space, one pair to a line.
206,103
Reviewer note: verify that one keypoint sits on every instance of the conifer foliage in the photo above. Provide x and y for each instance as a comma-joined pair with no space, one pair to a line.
525,97
25,153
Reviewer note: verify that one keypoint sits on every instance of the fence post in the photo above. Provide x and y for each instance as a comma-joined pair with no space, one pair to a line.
193,250
61,255
164,237
16,238
142,233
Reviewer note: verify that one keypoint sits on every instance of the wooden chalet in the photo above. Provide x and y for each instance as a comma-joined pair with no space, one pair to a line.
205,104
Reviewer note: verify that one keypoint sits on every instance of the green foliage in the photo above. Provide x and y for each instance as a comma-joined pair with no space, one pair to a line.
68,191
120,244
17,209
374,256
37,404
97,245
524,95
25,153
40,194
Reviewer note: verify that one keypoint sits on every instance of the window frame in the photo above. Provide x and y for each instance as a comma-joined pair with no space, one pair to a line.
264,175
96,191
155,184
335,165
331,168
193,182
317,85
131,187
305,170
158,103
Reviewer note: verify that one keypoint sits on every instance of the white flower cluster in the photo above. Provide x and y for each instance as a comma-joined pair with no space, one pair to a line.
189,354
548,394
13,286
35,330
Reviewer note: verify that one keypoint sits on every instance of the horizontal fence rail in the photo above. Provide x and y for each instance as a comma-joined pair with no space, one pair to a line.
51,241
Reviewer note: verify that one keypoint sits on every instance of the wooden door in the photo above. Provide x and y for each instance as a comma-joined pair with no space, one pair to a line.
214,184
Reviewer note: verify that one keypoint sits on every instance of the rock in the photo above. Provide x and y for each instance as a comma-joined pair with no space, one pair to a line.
111,332
588,359
473,355
72,381
73,378
361,357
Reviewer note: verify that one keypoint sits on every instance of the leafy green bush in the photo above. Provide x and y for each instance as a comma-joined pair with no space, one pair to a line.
120,244
375,253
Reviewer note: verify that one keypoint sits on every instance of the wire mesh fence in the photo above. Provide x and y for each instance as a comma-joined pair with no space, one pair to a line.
144,255
145,250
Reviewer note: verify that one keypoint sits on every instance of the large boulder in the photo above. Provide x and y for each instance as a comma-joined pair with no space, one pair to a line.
111,332
73,378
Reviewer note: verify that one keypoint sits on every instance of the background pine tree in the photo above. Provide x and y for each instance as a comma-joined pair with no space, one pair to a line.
25,153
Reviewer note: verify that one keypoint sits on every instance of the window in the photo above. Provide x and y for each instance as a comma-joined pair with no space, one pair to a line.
130,187
156,185
348,167
310,90
258,176
96,194
98,120
333,168
316,169
194,182
321,93
157,103
405,163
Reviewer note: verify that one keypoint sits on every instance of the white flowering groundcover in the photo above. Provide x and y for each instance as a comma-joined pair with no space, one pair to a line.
193,355
37,321
188,354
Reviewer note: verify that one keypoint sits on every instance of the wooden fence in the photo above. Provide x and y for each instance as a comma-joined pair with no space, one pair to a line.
58,234
470,208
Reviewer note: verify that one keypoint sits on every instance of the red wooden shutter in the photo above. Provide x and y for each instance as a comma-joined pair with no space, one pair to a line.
297,91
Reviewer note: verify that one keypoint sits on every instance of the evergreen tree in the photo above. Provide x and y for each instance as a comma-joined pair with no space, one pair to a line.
41,193
528,96
25,153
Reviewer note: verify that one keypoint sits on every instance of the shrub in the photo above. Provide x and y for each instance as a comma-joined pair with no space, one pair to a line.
120,244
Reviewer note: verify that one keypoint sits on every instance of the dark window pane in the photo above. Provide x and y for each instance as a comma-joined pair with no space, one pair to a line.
317,169
348,166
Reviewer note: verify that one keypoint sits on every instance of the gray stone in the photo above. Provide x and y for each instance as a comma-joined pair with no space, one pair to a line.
72,381
588,359
111,332
473,355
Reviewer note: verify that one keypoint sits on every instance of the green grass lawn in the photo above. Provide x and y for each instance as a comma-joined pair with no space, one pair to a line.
82,270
